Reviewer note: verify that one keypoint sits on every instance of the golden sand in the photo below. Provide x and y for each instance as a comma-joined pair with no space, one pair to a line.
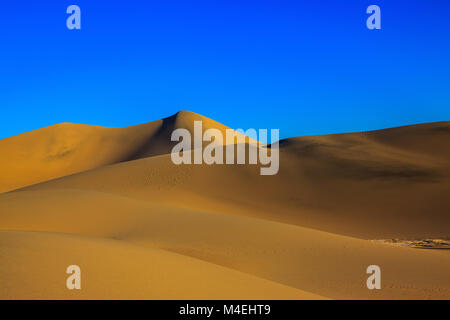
111,201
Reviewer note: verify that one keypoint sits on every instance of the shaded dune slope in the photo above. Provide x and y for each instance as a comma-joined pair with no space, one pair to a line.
301,234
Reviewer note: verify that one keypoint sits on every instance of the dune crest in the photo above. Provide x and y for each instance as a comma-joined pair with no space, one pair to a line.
67,148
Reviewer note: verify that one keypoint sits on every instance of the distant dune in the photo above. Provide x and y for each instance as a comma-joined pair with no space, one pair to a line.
112,201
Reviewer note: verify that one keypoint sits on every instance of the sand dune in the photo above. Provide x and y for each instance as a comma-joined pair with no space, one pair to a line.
117,270
301,234
294,256
347,184
68,148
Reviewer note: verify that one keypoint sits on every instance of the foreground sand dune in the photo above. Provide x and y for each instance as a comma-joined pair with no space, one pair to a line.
326,264
117,270
142,227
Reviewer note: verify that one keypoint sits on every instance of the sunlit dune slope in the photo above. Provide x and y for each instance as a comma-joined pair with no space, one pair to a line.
67,148
116,270
352,184
323,263
143,227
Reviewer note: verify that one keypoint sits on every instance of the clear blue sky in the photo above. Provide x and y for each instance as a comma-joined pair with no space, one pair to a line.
305,67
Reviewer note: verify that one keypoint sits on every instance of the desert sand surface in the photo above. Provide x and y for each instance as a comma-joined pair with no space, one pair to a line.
68,148
141,227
